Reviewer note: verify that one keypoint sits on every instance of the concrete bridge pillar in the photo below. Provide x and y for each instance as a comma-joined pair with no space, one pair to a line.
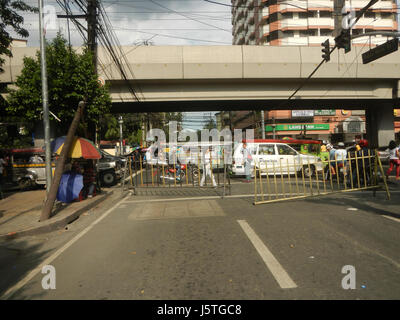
380,125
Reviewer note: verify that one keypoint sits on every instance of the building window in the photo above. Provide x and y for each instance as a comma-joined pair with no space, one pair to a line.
287,15
326,32
357,31
306,33
288,34
325,14
308,14
369,14
386,15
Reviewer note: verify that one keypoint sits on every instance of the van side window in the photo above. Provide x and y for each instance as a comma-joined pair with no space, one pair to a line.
252,149
285,150
266,149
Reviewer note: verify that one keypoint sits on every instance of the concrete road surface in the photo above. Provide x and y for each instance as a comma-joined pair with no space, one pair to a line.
151,247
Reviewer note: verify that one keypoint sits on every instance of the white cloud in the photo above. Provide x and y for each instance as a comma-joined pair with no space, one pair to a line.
172,22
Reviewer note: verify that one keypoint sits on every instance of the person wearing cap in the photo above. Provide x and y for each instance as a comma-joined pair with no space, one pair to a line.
332,151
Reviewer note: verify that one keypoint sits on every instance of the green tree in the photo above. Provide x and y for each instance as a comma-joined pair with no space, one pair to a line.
71,78
210,124
9,18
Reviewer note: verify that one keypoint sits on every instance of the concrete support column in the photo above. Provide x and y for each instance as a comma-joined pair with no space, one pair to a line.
380,125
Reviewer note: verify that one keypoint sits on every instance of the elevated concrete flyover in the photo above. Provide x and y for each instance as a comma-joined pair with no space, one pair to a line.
248,77
203,78
207,78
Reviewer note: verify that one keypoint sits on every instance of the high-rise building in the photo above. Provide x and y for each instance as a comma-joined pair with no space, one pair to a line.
306,22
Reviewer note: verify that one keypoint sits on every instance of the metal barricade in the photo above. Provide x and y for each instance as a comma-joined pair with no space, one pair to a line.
141,173
297,180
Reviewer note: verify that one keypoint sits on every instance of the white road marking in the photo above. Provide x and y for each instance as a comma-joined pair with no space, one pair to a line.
392,218
8,294
133,175
215,197
190,198
280,275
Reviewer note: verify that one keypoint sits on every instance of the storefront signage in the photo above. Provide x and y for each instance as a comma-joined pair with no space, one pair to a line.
325,112
298,127
302,113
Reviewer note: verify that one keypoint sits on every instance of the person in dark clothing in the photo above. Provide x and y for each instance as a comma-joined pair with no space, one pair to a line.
363,164
89,178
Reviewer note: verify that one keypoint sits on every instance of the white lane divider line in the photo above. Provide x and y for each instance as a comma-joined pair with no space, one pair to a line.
10,292
280,275
392,218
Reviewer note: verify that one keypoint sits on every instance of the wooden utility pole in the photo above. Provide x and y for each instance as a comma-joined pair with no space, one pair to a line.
51,197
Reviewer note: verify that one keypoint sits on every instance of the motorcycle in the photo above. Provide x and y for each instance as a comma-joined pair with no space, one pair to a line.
171,173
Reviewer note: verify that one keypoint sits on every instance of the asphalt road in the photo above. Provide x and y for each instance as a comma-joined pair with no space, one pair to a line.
165,247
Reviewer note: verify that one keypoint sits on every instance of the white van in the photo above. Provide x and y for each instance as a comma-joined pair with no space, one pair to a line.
275,158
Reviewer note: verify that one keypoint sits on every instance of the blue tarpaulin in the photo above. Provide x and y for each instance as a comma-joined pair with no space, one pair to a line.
71,185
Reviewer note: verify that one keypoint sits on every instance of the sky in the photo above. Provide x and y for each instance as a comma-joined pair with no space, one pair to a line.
162,22
159,22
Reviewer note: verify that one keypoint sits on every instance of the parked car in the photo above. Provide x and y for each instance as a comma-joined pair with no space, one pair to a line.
110,168
25,168
273,158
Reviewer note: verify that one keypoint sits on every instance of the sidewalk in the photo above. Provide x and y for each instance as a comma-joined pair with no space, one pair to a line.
20,213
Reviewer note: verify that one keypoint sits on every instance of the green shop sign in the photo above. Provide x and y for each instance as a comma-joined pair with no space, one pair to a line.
298,127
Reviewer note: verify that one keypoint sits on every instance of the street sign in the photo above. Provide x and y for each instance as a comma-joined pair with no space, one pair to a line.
380,51
298,127
327,112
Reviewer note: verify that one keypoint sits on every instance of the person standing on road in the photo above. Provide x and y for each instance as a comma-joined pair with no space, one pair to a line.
331,170
394,159
362,164
89,178
341,156
207,168
247,159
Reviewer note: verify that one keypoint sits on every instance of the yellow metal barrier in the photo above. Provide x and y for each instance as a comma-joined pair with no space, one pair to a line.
151,173
352,174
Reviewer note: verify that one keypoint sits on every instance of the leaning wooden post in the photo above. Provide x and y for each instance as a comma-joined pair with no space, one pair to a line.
51,197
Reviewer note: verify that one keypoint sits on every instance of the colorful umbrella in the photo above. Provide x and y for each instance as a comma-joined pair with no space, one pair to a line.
81,148
71,185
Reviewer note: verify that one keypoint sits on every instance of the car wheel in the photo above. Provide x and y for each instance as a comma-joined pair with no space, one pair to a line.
25,184
309,171
108,178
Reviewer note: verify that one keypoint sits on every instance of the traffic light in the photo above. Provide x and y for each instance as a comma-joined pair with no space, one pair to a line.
343,40
326,50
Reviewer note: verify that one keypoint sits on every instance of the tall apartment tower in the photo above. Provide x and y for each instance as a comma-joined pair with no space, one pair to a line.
305,22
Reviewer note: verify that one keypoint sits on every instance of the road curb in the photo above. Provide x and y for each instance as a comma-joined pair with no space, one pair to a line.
60,223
